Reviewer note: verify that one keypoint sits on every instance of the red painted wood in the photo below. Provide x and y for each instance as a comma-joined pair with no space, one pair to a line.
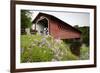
59,29
62,33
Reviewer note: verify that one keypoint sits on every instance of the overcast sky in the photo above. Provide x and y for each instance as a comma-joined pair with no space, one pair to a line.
72,18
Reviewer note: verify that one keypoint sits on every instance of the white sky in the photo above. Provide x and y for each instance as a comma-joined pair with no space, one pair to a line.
72,18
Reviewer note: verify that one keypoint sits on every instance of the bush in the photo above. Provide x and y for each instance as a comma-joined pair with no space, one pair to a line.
41,54
84,52
85,34
25,55
69,56
75,47
33,52
38,48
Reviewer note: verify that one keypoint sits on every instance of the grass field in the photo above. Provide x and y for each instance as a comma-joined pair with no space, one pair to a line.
37,48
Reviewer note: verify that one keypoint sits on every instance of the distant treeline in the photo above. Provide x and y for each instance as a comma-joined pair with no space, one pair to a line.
85,34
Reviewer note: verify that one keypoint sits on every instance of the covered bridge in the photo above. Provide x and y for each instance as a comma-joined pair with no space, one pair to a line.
55,27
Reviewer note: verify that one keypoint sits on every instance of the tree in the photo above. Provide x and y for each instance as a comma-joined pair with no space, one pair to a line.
25,20
85,34
76,26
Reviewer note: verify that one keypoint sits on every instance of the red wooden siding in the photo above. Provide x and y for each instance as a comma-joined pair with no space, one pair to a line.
59,29
60,32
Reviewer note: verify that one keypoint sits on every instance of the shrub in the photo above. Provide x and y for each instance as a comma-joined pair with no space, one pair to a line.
38,48
33,52
41,54
75,47
84,52
25,56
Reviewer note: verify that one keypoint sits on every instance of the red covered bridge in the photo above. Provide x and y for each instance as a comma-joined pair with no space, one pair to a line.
55,27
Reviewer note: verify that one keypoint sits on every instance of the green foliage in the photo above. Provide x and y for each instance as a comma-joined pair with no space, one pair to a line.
41,54
75,47
85,34
37,48
36,54
25,20
84,52
69,56
25,55
32,51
